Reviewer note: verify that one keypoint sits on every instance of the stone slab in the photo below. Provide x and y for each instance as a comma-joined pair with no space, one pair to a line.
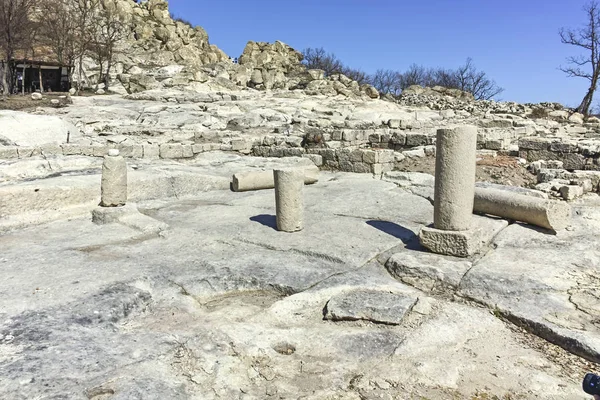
383,307
428,272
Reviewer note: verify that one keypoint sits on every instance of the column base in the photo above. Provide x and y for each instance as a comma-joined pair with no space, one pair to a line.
108,215
128,215
462,243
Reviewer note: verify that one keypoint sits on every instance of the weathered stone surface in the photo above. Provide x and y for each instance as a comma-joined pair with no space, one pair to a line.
543,289
24,129
409,179
428,272
231,321
370,305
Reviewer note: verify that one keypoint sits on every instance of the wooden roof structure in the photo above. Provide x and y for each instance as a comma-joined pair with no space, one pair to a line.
40,56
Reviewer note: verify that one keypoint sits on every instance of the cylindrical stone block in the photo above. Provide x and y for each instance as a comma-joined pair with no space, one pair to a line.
455,178
549,214
258,180
114,180
289,201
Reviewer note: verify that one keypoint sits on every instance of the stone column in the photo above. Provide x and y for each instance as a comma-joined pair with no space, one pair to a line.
455,232
114,180
289,202
455,178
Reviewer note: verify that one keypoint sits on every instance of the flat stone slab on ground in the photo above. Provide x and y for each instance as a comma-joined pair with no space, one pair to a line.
428,272
370,305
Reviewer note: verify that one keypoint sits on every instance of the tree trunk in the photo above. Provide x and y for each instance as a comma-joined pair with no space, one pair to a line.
3,82
40,77
23,80
107,75
69,78
586,103
8,78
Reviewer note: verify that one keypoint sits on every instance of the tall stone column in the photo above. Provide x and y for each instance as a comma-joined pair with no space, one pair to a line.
455,231
455,178
114,180
289,201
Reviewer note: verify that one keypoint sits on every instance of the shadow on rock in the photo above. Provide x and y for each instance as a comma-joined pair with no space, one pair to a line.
266,220
408,237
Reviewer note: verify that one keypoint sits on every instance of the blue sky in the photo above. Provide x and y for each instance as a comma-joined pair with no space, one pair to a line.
515,42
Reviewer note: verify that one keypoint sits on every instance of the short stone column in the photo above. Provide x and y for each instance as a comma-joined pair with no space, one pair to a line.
114,180
289,201
455,178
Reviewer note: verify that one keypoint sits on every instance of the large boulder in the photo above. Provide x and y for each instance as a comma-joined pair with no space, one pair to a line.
370,91
272,64
140,82
275,56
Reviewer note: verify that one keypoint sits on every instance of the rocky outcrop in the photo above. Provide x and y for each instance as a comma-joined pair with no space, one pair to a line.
269,66
155,41
279,66
159,52
438,91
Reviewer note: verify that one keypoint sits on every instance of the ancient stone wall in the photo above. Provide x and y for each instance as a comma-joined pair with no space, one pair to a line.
574,154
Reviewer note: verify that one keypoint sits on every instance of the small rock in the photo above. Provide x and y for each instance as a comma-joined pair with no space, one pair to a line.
570,192
36,96
418,152
284,348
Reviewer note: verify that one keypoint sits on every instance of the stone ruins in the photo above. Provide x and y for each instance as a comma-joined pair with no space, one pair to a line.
216,230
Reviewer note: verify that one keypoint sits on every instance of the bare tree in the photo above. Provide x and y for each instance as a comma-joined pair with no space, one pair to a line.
57,27
588,38
16,26
469,79
387,81
83,12
416,75
111,26
320,59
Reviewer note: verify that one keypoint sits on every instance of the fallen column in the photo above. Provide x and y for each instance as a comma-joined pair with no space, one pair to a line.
289,202
258,180
549,214
455,230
